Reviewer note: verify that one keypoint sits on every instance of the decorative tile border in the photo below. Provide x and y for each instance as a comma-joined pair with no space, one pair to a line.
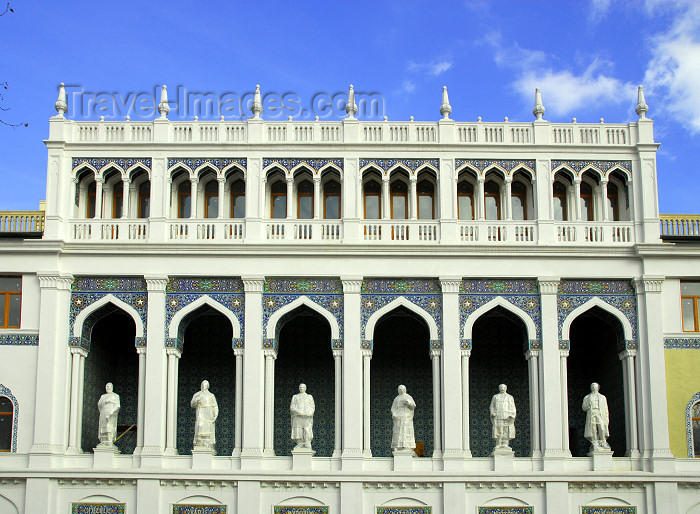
98,508
506,510
602,166
19,339
103,162
689,423
506,165
608,510
404,510
289,164
219,164
4,391
412,164
682,343
199,509
300,510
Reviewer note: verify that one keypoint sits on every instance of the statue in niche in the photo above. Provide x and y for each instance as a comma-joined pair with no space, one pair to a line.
503,417
207,410
302,410
402,435
596,430
109,406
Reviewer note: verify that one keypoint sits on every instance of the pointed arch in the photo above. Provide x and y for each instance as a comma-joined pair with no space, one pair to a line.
130,172
94,307
426,166
398,167
207,166
85,166
500,301
234,167
563,167
7,393
271,328
401,301
594,170
180,166
207,300
466,167
597,302
111,164
330,166
496,168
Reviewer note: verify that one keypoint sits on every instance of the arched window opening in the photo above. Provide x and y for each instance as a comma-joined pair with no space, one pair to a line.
518,193
331,200
6,424
613,205
426,200
492,201
695,428
373,200
465,200
145,199
91,196
399,200
118,200
184,200
305,200
278,199
586,201
211,199
561,211
238,199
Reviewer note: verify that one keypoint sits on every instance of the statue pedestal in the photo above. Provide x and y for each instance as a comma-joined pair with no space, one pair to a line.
403,460
103,456
602,459
202,457
502,458
301,458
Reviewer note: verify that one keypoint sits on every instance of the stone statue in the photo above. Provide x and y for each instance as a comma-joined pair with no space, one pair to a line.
503,417
596,431
207,411
302,409
108,406
402,436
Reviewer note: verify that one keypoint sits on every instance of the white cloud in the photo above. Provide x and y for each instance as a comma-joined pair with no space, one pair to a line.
408,87
433,68
599,8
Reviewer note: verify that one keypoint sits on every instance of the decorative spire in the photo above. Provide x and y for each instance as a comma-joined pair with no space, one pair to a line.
642,107
538,111
351,106
445,108
61,105
257,107
163,107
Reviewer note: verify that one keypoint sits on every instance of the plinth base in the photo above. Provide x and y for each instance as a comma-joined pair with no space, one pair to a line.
202,457
502,458
602,459
301,458
403,460
103,456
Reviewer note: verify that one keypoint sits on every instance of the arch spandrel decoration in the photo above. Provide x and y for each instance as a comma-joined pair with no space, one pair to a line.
616,297
386,165
290,165
4,391
419,295
689,423
507,166
103,162
325,296
603,167
522,295
181,292
219,164
86,291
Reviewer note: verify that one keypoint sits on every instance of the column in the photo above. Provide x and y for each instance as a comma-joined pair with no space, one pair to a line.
413,198
564,387
81,381
366,447
577,198
508,199
533,367
452,374
386,198
171,416
194,194
352,403
141,412
604,199
479,211
628,357
338,429
126,197
465,354
317,197
437,429
220,201
290,197
99,181
238,419
74,189
77,355
270,356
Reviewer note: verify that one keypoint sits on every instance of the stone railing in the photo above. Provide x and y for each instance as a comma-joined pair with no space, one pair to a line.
680,225
21,222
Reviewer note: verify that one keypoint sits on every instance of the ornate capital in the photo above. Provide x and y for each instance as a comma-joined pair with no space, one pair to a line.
173,351
253,284
627,354
270,353
337,354
564,354
435,353
466,353
238,352
141,350
450,284
367,353
649,284
352,285
548,285
532,354
156,283
79,351
53,280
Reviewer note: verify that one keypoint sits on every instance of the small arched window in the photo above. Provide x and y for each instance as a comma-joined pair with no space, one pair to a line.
211,199
695,428
373,200
399,200
465,200
145,200
492,201
238,199
518,193
613,204
183,199
118,200
426,200
305,200
586,202
331,200
6,424
278,199
91,195
561,212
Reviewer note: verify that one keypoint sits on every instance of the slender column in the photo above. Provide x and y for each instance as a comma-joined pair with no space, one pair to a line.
270,356
220,200
81,381
451,380
604,199
413,198
141,412
352,403
437,429
126,196
509,198
317,197
194,196
99,181
366,358
628,357
534,372
564,384
290,197
77,354
74,188
465,402
338,429
171,418
577,199
238,420
480,214
386,198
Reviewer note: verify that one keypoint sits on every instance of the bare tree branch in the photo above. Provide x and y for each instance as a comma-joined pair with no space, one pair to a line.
7,9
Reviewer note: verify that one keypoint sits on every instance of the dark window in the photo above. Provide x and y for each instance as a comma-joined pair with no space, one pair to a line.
10,301
145,200
465,200
184,196
426,200
373,200
211,199
518,193
238,199
560,204
118,200
6,422
331,200
305,200
399,200
613,203
278,192
492,201
91,195
586,202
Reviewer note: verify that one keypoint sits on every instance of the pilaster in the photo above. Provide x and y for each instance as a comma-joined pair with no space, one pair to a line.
352,428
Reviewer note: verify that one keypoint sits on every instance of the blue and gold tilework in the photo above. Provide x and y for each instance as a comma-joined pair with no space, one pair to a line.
682,343
199,509
505,510
411,164
608,510
317,165
98,508
404,510
602,166
218,164
503,164
102,162
4,391
316,509
19,339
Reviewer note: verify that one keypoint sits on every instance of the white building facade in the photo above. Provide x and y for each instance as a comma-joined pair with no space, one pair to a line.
351,256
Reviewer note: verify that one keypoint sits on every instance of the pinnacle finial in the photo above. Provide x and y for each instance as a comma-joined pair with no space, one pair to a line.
351,106
257,107
163,107
538,111
445,108
61,105
642,107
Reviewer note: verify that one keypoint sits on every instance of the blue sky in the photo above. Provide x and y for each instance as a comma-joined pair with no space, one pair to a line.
587,57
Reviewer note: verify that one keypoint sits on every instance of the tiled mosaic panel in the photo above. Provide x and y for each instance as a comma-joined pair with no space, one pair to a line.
125,164
112,358
98,508
505,510
19,339
593,358
300,510
207,355
404,510
401,356
412,164
507,165
608,510
289,164
199,509
219,164
497,358
305,356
